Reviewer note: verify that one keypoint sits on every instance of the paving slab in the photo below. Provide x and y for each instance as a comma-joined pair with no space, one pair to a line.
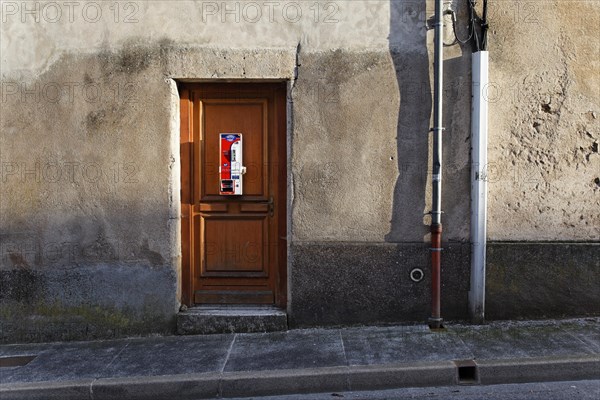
299,349
393,345
302,361
508,340
171,356
587,331
66,362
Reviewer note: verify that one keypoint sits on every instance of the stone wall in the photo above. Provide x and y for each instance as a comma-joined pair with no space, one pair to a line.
89,211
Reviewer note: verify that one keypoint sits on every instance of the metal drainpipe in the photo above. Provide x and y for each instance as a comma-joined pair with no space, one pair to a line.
435,321
478,186
479,175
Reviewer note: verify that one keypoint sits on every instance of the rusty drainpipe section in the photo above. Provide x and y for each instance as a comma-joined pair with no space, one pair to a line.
435,321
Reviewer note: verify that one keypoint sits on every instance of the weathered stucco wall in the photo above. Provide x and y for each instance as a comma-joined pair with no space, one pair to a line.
90,206
545,122
89,211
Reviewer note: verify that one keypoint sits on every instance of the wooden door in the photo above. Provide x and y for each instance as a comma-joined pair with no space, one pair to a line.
234,246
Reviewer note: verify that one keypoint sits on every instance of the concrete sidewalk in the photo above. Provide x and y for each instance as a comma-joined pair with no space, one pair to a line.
302,361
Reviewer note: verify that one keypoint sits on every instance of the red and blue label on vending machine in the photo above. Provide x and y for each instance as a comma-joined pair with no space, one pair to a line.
231,168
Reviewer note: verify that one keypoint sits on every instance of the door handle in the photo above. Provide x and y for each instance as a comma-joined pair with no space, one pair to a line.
271,206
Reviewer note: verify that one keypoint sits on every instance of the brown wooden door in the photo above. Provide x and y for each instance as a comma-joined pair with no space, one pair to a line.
234,246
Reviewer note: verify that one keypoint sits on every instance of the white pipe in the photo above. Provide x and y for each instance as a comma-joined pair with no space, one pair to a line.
479,180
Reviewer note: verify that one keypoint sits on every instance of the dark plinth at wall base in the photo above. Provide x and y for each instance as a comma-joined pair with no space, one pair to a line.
542,280
370,283
331,283
101,301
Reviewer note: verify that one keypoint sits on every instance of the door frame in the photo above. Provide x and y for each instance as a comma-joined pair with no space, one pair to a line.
187,119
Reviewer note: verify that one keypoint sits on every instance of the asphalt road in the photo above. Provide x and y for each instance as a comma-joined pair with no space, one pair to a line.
572,390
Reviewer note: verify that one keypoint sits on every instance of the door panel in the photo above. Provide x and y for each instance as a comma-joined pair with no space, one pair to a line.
234,116
236,245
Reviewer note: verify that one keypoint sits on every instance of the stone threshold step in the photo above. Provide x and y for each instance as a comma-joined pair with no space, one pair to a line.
208,319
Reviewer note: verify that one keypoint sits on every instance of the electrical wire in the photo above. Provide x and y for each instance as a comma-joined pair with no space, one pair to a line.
451,12
479,42
484,26
470,26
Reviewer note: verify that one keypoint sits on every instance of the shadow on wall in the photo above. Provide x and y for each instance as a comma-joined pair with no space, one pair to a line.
408,49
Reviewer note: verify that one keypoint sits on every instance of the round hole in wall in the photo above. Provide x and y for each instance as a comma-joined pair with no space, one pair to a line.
416,275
